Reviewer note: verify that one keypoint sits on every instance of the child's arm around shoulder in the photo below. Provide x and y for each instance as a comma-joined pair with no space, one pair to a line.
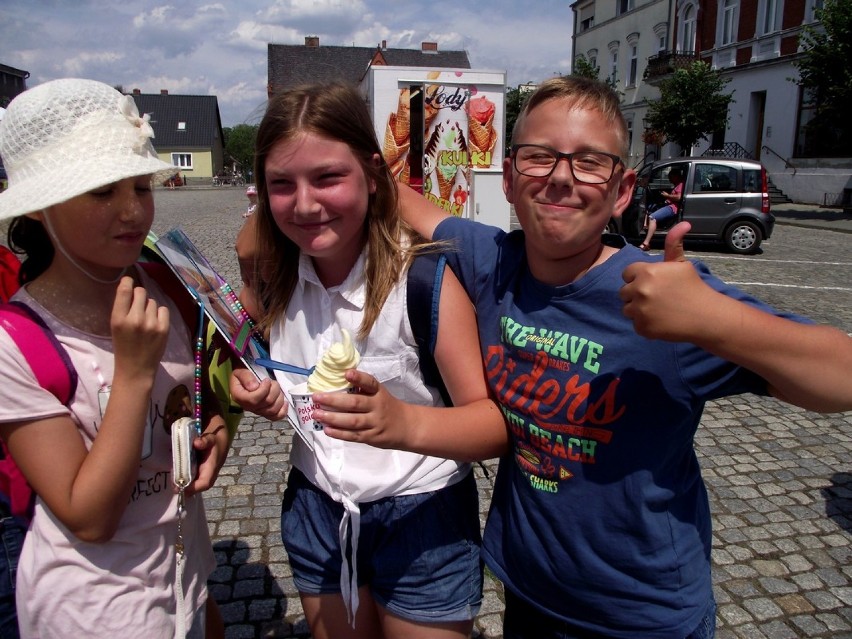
418,212
472,429
803,364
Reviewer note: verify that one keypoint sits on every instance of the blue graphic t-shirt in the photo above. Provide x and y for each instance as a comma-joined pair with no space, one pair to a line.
599,515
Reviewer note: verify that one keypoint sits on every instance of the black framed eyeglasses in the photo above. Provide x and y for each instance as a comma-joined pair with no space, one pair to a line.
588,167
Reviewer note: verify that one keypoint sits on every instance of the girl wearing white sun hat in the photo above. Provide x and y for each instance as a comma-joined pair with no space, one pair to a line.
100,555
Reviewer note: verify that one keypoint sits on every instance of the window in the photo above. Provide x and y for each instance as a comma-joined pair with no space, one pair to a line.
613,66
183,160
181,126
624,6
770,12
714,177
629,122
631,73
729,21
661,32
810,10
592,57
686,42
586,17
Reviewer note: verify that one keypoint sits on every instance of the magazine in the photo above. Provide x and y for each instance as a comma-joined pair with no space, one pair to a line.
221,305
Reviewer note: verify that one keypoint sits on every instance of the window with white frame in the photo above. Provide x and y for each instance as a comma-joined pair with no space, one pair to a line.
183,160
811,8
586,17
686,41
661,31
592,57
634,65
770,12
613,63
728,18
629,122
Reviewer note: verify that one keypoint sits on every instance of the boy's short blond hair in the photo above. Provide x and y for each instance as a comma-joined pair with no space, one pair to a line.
582,93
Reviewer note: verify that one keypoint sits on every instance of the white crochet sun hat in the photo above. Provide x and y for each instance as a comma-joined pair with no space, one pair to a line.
66,137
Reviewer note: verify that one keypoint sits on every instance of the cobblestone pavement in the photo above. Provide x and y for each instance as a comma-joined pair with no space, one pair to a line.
779,477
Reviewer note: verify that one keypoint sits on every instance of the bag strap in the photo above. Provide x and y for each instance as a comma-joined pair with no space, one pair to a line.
47,358
53,370
423,298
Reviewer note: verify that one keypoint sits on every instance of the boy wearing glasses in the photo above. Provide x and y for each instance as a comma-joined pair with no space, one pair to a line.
600,522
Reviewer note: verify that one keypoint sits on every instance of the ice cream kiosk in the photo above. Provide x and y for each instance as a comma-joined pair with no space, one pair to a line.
443,133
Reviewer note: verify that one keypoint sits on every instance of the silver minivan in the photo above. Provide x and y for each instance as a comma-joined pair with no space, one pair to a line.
725,199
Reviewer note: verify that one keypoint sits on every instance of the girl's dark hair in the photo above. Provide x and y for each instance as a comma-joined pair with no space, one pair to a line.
28,237
338,112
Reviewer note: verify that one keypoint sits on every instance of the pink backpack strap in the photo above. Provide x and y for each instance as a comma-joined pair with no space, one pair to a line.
54,372
48,360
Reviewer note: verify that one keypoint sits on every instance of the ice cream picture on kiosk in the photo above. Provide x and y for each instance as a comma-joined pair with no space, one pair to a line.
327,376
482,135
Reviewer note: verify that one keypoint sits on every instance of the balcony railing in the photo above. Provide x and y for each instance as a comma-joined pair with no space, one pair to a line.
667,62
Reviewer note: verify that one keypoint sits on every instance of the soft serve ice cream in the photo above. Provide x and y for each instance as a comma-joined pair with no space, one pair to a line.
328,374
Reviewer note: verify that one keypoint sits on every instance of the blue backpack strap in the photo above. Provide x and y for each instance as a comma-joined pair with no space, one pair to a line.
423,298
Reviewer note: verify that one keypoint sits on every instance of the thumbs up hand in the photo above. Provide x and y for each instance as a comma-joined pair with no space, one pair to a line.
666,300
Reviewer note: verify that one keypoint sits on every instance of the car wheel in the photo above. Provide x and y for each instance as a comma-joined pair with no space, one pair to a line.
743,237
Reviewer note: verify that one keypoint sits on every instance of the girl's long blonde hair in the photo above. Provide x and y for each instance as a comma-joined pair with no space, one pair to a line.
338,112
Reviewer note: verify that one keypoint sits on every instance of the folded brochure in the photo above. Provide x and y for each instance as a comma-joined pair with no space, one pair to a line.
220,304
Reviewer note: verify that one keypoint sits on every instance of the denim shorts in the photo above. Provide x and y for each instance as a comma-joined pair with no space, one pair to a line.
419,554
523,621
663,213
12,533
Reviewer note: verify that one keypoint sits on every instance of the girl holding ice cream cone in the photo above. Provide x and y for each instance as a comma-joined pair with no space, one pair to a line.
382,543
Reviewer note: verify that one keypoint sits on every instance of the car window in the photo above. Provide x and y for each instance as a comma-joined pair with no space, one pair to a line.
751,181
714,178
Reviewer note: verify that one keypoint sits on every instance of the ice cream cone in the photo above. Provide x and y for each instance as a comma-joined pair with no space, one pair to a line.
405,174
445,185
398,167
401,120
391,149
482,136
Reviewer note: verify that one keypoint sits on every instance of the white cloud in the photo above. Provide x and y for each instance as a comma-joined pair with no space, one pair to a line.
219,47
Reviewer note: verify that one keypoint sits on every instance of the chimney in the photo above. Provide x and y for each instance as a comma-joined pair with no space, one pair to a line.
384,44
429,47
137,92
164,91
312,41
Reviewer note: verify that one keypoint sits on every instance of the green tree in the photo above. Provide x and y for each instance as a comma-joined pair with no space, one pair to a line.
692,105
239,145
515,99
585,69
825,76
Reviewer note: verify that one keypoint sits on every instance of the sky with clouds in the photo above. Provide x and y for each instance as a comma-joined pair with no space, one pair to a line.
204,47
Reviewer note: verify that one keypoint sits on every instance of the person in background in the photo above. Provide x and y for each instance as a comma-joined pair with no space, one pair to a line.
601,358
674,198
100,555
251,194
383,544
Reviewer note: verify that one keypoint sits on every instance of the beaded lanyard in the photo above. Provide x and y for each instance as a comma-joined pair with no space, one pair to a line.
247,325
180,616
199,353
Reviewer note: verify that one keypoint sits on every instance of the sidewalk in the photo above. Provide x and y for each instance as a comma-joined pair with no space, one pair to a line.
811,216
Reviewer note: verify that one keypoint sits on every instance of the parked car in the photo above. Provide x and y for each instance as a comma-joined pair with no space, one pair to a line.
725,199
